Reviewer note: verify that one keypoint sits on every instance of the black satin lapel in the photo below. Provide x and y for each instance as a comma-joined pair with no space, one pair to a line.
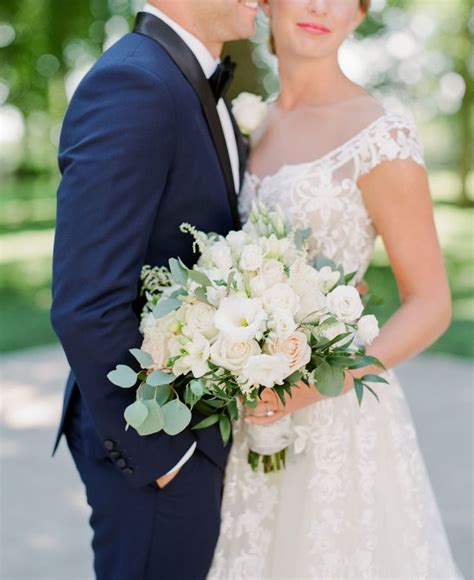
242,144
151,26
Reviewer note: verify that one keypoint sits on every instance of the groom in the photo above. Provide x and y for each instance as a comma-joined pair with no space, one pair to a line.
147,143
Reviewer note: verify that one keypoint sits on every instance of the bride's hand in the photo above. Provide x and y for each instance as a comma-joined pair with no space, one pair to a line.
270,408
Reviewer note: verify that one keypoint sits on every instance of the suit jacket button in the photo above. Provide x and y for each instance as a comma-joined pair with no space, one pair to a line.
109,444
121,463
115,455
128,470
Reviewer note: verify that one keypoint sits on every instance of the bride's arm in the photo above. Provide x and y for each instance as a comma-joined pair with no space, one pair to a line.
398,199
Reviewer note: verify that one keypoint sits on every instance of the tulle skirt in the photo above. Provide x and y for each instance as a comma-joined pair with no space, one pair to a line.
354,501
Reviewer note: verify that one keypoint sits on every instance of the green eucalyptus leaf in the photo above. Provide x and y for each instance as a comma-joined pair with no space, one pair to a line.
162,394
201,294
329,380
177,417
165,306
224,428
300,236
197,387
154,421
199,277
135,414
359,389
144,358
146,392
123,376
178,272
207,422
157,378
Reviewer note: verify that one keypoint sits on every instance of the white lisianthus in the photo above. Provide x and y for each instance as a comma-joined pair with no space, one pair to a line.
345,303
240,318
215,294
272,272
295,348
281,297
231,355
257,285
196,359
199,319
266,370
327,278
281,323
156,339
237,240
305,282
249,111
251,257
367,329
276,248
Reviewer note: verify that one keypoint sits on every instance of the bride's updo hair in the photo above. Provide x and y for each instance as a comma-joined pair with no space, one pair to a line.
364,4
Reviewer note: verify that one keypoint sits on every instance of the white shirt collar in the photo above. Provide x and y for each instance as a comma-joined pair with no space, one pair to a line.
203,55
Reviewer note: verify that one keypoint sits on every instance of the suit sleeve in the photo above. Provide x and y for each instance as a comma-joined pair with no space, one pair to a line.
116,151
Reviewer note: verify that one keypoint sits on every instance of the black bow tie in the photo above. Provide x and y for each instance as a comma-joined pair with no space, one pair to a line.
222,77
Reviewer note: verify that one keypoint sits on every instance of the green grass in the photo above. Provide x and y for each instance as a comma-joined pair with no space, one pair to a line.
26,228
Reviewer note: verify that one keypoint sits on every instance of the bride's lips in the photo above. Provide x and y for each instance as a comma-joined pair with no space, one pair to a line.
313,28
250,4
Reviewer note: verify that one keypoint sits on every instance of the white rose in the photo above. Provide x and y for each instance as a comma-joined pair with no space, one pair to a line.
266,370
240,318
327,278
367,329
330,330
199,319
251,257
156,339
249,111
281,296
345,303
272,272
295,348
217,256
233,356
281,324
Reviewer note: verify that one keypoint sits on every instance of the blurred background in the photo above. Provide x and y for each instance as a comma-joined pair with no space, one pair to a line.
413,54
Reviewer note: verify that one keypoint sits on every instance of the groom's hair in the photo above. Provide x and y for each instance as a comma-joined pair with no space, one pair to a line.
364,4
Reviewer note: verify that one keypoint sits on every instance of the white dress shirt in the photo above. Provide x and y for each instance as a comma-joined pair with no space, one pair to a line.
208,64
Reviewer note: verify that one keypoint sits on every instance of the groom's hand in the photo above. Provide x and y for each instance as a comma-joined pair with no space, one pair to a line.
163,481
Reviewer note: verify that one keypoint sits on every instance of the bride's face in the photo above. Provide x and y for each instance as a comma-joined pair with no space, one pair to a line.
312,28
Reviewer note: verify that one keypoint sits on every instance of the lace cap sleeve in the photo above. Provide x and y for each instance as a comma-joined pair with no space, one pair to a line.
394,137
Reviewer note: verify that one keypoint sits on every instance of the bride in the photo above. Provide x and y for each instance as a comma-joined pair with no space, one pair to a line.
354,501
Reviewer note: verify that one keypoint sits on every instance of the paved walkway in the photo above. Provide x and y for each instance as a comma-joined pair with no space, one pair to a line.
45,535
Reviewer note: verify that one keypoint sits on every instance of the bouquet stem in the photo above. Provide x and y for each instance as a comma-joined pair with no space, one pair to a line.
271,463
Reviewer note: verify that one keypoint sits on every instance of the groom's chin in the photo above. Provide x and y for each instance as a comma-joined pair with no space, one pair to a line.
247,18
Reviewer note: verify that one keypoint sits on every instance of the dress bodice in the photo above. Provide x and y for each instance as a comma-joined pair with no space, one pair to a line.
324,194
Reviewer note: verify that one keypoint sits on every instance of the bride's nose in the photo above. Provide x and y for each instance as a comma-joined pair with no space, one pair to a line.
319,7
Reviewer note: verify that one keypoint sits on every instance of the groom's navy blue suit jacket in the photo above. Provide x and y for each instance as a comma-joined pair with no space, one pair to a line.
141,151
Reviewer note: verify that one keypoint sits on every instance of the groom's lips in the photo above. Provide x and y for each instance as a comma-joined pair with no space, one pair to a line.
313,28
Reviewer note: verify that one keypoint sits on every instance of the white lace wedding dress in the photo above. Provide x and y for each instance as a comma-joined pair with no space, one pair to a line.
354,501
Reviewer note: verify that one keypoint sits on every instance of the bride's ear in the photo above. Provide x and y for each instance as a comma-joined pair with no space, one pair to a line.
359,18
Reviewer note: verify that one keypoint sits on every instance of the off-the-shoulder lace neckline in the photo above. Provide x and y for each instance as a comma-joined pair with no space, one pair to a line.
260,180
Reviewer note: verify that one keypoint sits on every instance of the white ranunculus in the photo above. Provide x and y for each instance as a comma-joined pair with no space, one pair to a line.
266,370
345,303
240,318
156,339
295,348
272,272
249,111
199,319
251,257
367,329
327,278
282,324
281,296
231,355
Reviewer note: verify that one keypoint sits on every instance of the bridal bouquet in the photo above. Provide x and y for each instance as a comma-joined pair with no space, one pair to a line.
255,312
